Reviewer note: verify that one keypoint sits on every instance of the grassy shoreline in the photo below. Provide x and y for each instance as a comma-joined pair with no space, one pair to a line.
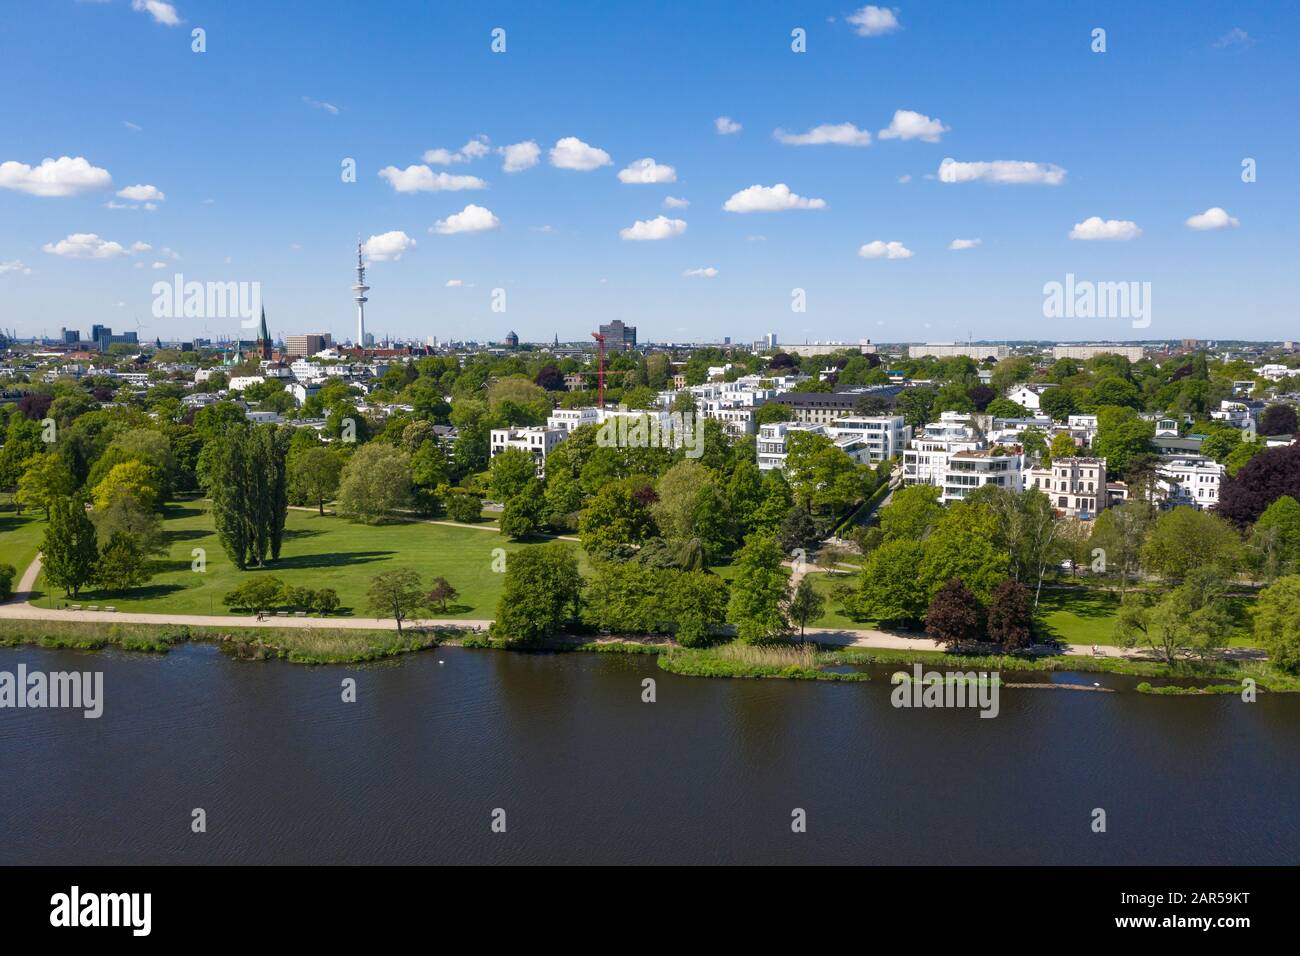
783,661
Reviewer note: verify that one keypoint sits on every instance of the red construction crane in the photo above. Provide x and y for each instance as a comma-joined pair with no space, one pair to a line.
600,369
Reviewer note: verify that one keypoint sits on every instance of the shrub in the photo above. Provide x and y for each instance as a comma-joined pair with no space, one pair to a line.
258,594
7,574
463,507
1010,617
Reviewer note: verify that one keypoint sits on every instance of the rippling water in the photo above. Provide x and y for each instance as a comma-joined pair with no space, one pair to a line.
588,773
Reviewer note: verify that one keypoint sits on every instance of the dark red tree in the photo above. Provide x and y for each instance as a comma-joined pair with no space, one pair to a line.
550,378
981,395
955,616
1278,420
1010,616
1260,482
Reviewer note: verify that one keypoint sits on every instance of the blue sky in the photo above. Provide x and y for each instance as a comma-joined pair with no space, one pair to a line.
245,142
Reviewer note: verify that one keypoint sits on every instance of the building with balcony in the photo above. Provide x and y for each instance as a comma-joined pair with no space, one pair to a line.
537,440
1076,486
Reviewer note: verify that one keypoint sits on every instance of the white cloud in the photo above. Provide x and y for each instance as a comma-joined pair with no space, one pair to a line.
959,244
321,105
647,171
770,199
169,253
161,12
476,148
85,245
519,156
138,247
141,193
1001,171
572,153
388,246
1215,217
132,126
837,134
907,124
422,179
905,178
64,176
544,228
661,227
158,265
14,265
885,250
726,126
470,219
708,272
454,283
1095,227
873,21
1236,37
676,202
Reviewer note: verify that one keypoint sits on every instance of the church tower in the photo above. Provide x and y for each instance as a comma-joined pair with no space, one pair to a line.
263,344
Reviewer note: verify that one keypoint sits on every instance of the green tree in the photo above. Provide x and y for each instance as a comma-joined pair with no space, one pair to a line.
45,479
1185,540
523,511
758,591
375,483
1193,618
123,564
805,605
911,513
133,478
1277,622
541,594
1119,533
616,521
315,475
1275,538
890,590
69,550
396,594
510,473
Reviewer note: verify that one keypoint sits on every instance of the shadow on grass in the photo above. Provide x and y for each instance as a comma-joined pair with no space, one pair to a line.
147,593
186,535
178,512
341,559
299,533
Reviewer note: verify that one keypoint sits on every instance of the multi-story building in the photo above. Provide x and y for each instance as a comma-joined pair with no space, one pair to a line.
885,436
1192,480
1029,397
863,347
968,470
300,346
1076,486
952,350
537,440
618,337
926,459
1133,353
774,438
568,419
821,408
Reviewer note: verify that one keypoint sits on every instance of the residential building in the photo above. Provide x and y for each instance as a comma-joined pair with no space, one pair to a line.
966,471
1134,353
926,459
537,440
1029,396
824,407
1076,486
885,436
1192,480
300,346
951,350
568,419
862,347
773,443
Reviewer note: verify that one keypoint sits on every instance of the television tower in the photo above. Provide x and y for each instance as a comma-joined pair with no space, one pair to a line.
359,297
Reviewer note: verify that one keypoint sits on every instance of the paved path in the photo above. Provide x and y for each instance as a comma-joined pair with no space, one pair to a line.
20,609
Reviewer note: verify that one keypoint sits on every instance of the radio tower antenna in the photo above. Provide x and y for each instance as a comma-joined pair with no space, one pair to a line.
359,296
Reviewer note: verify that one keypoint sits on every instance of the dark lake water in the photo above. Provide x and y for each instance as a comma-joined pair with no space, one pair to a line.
587,773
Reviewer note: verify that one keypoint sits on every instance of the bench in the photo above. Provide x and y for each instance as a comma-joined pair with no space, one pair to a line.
74,607
92,607
281,613
299,613
110,609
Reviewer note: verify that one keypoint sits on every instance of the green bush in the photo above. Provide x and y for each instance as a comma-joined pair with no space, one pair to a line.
7,573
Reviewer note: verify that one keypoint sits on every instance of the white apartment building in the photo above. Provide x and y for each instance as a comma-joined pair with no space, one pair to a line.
1193,480
1076,486
1000,465
568,419
886,436
1275,372
537,440
241,382
1133,353
951,349
773,442
926,459
301,391
1236,414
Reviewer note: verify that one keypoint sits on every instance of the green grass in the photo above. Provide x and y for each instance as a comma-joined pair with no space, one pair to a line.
1088,617
20,536
318,552
834,615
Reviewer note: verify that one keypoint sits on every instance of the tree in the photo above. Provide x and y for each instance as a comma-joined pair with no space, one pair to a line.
396,594
260,593
1275,539
964,545
45,479
890,591
955,616
1277,622
7,575
616,520
375,483
1059,403
823,477
697,602
123,564
758,591
805,604
1192,618
1278,420
1186,540
1005,408
241,472
798,531
916,405
911,513
1122,438
463,506
440,592
315,475
522,514
1119,534
1010,617
68,548
1261,481
133,478
1062,446
510,472
541,594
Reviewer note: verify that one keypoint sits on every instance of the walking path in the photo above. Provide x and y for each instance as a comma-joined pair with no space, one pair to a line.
20,608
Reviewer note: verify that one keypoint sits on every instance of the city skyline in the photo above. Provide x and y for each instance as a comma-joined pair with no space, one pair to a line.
613,188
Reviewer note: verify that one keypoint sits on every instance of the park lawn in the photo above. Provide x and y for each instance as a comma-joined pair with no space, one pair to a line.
834,615
1087,616
318,552
20,537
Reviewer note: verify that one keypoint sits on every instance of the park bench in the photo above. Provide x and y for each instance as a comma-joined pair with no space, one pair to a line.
110,609
299,613
92,607
74,607
281,613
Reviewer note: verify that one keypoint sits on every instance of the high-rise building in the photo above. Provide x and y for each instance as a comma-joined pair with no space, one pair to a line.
298,346
359,296
618,337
